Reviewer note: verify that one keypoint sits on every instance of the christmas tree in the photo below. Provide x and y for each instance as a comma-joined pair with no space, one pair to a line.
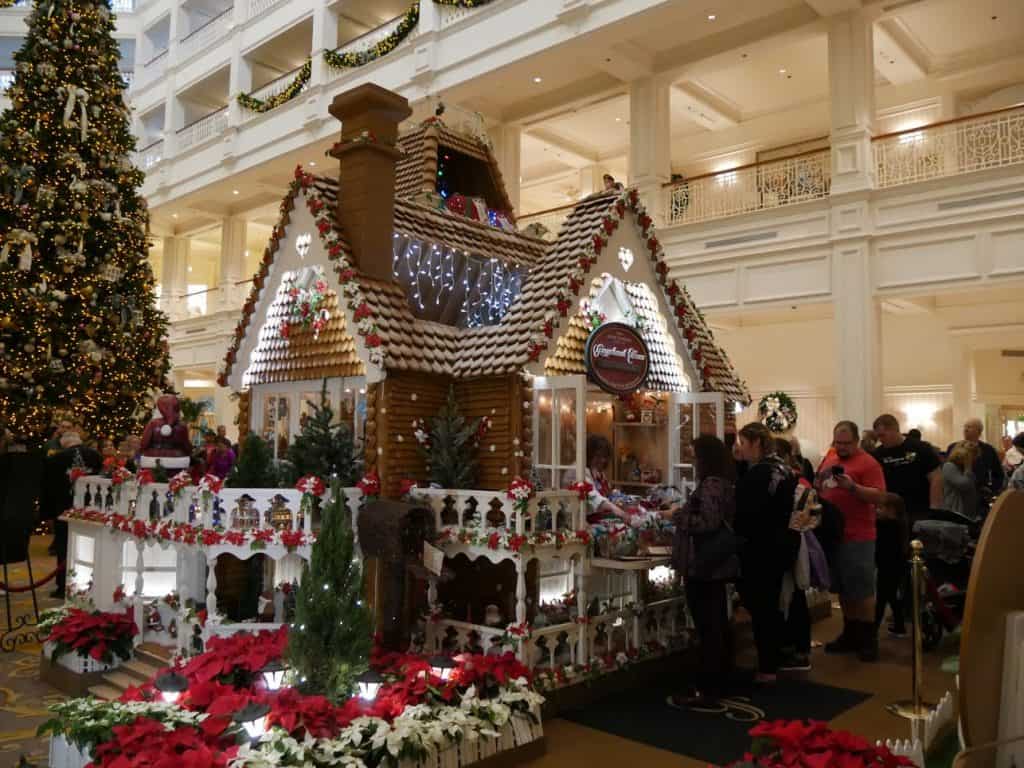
329,640
451,446
324,447
79,328
255,466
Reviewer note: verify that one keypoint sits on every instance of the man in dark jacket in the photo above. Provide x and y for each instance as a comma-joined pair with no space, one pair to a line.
58,492
988,470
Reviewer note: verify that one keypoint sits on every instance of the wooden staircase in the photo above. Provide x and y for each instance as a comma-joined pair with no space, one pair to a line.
149,659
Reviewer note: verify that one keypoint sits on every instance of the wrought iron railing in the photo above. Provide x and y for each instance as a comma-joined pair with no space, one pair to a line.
950,148
551,219
204,37
202,129
759,186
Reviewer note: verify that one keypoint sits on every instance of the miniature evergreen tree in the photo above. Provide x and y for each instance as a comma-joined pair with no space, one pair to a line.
324,446
451,446
255,467
79,328
329,639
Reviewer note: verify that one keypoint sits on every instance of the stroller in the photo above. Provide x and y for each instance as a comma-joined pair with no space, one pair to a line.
949,545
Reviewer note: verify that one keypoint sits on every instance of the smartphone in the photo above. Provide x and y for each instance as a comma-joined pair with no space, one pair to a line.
838,469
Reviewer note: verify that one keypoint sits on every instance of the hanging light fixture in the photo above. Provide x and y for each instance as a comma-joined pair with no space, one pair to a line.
441,666
273,674
370,683
253,718
171,685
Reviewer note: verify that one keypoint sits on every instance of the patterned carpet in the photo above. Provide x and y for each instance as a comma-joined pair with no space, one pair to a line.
23,698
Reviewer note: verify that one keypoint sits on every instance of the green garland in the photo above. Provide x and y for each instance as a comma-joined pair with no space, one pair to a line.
294,89
777,411
383,48
462,3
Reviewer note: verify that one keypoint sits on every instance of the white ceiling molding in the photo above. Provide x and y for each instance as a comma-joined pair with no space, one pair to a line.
705,107
896,55
833,7
626,61
566,151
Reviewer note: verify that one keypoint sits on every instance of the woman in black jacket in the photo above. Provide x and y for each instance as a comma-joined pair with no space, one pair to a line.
764,503
695,555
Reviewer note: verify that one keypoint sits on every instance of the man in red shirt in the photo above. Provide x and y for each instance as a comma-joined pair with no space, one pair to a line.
853,481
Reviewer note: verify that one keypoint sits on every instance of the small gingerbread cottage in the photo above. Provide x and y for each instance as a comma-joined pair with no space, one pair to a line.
405,275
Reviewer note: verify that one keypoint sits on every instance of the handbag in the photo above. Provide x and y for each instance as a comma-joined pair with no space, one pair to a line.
713,549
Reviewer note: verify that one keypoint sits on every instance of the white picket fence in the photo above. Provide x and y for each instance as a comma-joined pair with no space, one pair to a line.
549,511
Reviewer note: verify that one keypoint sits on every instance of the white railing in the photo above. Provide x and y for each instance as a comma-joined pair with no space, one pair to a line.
122,6
279,84
256,7
547,511
756,187
950,148
552,220
128,77
152,70
6,79
203,38
368,40
453,14
204,128
150,155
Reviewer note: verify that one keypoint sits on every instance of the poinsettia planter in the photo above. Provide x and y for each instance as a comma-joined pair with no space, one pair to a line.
64,754
520,740
72,674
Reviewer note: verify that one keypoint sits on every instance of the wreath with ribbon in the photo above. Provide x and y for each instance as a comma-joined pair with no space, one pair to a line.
777,411
305,304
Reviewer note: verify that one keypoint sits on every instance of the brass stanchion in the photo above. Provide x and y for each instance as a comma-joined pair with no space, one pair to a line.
916,708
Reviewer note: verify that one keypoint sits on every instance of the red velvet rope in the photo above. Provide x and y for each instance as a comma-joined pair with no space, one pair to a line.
48,579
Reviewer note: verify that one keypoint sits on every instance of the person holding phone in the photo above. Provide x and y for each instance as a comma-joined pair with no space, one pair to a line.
851,479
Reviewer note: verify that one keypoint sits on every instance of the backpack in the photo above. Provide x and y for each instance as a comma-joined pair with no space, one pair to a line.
806,512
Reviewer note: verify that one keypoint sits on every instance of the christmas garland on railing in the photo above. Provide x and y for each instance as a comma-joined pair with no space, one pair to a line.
351,59
294,89
462,3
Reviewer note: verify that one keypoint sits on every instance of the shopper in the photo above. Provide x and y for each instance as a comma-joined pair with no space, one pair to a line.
1014,456
987,469
868,441
222,459
959,485
704,550
764,501
799,461
851,479
912,472
57,493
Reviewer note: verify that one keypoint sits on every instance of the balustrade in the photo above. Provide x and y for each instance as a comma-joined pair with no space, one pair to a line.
950,148
204,37
150,155
153,69
552,219
749,188
257,7
368,40
206,127
547,511
276,86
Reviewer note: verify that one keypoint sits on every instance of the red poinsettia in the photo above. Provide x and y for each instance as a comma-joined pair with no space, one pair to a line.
241,652
311,484
362,311
369,484
786,744
98,635
76,472
292,539
582,489
261,538
406,486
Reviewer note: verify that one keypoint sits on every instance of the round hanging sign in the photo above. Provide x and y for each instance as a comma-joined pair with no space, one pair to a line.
617,358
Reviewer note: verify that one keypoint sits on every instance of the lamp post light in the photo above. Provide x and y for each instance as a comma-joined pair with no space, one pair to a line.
253,718
441,666
273,674
171,685
370,683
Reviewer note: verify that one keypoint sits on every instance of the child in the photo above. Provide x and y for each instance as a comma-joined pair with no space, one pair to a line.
891,562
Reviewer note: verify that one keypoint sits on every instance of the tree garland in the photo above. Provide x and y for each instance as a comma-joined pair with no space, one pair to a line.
294,89
351,59
462,3
777,411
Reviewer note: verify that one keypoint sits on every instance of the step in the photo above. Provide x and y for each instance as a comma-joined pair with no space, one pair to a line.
106,692
141,669
161,652
120,680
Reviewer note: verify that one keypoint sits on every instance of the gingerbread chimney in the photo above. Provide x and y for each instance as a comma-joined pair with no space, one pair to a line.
369,117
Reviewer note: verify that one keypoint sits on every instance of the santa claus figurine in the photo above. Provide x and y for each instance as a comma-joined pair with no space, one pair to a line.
166,437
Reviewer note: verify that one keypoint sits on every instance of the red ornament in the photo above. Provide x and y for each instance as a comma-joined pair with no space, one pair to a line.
574,286
584,263
563,307
456,204
372,340
323,226
362,311
549,328
681,309
334,251
620,208
599,244
661,268
673,289
609,224
652,244
346,275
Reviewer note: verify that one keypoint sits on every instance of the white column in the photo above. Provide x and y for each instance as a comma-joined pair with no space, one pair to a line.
649,142
240,77
858,338
174,277
232,262
963,385
225,409
325,35
591,179
852,86
508,142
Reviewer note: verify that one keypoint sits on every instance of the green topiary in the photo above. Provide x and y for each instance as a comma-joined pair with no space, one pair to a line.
255,467
324,447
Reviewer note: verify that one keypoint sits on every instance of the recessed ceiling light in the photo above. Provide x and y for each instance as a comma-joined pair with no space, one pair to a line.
234,191
312,163
189,267
782,70
712,17
538,79
174,215
618,119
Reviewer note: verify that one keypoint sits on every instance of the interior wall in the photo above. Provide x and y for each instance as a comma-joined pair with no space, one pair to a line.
998,380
